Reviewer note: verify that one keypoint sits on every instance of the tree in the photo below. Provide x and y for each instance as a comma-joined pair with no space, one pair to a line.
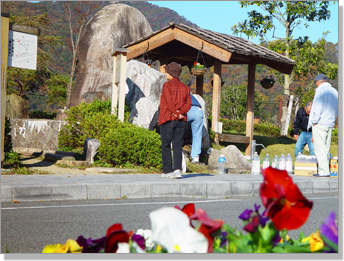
290,14
78,14
234,102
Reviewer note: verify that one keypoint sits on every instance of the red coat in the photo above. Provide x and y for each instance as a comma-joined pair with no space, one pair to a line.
175,96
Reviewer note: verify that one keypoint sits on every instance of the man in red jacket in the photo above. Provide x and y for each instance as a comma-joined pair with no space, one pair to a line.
175,102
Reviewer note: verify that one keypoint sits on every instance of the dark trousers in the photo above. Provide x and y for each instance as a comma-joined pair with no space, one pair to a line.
172,131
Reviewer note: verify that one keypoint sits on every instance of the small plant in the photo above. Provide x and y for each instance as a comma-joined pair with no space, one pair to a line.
124,197
21,171
268,80
198,65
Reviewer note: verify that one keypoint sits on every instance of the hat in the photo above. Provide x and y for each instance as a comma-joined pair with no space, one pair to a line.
320,77
174,69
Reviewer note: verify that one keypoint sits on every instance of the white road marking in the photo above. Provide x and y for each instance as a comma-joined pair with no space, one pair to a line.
124,204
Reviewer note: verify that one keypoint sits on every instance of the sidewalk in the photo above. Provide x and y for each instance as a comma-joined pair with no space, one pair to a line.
54,187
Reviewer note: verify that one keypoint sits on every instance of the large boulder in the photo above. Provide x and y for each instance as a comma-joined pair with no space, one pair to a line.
144,114
236,163
112,27
16,107
143,81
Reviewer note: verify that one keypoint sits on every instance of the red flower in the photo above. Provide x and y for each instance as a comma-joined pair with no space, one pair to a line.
114,235
188,209
195,63
285,205
209,227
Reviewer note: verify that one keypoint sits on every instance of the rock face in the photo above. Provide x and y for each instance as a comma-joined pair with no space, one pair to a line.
16,107
112,27
236,163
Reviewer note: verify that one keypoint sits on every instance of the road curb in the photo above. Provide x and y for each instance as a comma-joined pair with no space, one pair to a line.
137,190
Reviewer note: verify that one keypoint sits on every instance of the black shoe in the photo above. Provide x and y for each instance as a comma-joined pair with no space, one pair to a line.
321,176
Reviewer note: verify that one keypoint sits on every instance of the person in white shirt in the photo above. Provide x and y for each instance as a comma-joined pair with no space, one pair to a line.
322,119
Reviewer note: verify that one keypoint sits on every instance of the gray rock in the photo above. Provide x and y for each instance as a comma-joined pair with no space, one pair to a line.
90,149
143,81
16,107
112,27
144,113
235,161
61,115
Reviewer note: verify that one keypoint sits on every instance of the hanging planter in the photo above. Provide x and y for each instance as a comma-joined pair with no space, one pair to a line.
197,68
198,71
267,83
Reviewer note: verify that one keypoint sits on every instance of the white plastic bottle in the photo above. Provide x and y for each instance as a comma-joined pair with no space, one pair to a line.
274,162
289,164
281,162
221,165
255,169
266,161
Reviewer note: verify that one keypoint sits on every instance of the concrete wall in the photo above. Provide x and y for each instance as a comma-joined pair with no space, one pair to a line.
38,134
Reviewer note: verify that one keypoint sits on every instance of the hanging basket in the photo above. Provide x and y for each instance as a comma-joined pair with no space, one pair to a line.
266,85
198,71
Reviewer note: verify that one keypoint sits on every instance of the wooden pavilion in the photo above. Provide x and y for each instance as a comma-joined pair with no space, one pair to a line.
180,43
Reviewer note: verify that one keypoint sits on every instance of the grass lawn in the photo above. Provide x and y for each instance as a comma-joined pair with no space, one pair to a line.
273,145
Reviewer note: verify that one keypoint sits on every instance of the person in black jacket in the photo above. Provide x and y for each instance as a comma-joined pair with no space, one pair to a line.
305,137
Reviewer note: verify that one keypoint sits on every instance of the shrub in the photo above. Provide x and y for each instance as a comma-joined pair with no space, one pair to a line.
7,138
120,143
42,115
131,145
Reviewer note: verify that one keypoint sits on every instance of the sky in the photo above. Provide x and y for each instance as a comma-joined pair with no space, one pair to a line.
220,16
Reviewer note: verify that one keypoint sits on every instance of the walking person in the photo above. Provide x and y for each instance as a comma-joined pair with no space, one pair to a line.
322,119
305,137
195,116
175,102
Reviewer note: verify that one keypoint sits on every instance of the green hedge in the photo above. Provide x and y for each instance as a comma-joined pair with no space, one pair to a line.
120,143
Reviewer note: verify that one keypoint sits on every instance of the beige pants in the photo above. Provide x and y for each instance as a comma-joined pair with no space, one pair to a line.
322,141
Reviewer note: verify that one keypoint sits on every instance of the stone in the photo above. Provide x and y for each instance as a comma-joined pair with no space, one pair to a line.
16,107
144,113
90,149
61,115
235,161
143,81
112,27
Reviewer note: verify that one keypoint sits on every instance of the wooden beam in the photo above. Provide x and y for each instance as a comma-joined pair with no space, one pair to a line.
154,42
216,94
199,85
250,105
234,138
4,56
196,42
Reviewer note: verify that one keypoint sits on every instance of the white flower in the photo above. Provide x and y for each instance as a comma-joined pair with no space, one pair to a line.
123,248
147,234
138,248
171,229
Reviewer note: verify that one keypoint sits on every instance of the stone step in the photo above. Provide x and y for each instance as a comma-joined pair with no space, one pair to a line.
55,157
73,163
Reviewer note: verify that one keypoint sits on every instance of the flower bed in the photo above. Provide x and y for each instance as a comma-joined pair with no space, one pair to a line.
173,229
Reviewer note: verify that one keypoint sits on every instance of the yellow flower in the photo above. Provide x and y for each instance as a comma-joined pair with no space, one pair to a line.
315,241
71,246
281,241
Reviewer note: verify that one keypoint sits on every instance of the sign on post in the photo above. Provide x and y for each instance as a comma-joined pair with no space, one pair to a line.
119,82
22,50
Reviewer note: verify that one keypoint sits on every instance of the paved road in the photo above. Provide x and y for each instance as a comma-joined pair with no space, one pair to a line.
26,227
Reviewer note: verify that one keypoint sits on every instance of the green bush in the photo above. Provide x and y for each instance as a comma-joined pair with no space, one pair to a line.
121,144
131,145
42,115
7,138
266,129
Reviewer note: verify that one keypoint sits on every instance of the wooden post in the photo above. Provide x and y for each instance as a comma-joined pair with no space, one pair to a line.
4,57
288,115
250,105
216,95
199,85
119,82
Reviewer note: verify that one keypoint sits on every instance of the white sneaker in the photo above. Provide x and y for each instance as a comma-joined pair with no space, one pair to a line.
165,175
195,160
176,174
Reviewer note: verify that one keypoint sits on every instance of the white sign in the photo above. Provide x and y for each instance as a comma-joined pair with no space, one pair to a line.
22,50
